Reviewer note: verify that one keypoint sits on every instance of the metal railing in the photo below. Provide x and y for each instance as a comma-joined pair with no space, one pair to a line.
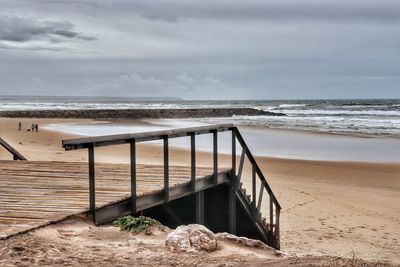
132,139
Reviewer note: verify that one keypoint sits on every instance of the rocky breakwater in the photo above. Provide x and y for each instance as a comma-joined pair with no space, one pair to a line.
123,114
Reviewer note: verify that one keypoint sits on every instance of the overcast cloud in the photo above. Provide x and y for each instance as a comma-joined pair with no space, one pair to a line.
24,33
201,49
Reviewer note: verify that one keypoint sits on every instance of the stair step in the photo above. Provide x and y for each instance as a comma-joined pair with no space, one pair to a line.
264,223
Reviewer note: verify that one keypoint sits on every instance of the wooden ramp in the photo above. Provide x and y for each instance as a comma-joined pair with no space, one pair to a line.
36,193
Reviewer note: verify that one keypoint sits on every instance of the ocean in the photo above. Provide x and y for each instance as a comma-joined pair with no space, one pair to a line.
370,117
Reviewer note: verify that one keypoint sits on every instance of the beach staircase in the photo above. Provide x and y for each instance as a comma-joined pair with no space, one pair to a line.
220,200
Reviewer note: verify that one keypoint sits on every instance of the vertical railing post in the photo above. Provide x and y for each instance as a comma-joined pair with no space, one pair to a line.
193,162
254,192
271,216
277,230
215,157
166,169
232,191
260,197
241,165
133,175
92,189
200,207
234,156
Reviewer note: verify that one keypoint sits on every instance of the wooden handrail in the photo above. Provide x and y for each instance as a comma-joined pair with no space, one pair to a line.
91,142
118,139
257,168
9,148
255,210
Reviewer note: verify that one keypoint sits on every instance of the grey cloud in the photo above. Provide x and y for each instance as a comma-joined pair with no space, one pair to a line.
135,84
272,10
31,47
356,10
253,49
163,17
15,30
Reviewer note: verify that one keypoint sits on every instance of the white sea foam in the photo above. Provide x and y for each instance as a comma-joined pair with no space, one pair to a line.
366,117
291,105
262,142
316,112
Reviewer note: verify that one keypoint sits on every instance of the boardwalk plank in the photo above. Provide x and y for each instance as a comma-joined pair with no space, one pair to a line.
35,193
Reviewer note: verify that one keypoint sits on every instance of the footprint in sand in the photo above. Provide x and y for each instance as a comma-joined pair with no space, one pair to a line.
18,248
66,233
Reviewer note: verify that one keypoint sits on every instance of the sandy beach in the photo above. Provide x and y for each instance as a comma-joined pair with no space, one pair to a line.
330,208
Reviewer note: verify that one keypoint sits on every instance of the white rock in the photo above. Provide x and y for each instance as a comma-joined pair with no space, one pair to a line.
178,240
190,238
242,240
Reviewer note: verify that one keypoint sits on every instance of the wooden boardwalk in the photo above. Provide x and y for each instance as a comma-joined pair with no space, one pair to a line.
36,193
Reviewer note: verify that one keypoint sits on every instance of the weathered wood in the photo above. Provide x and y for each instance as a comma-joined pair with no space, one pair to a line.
193,161
241,164
119,139
108,212
258,170
260,197
215,155
34,193
133,175
166,170
92,189
271,215
232,192
200,206
277,226
165,135
13,151
234,157
254,188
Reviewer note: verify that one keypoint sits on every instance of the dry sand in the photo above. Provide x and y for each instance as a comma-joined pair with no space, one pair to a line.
77,242
330,209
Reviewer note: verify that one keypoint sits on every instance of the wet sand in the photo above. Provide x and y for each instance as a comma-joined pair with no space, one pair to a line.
330,208
264,142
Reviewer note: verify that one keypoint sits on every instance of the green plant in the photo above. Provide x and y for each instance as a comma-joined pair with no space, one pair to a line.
134,224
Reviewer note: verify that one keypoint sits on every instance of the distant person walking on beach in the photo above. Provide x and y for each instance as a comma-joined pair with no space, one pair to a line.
36,127
19,126
33,127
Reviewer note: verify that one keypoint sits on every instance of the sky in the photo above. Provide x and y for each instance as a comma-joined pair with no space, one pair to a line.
227,49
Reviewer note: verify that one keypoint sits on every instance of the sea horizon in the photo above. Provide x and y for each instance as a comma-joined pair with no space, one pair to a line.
166,98
356,117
